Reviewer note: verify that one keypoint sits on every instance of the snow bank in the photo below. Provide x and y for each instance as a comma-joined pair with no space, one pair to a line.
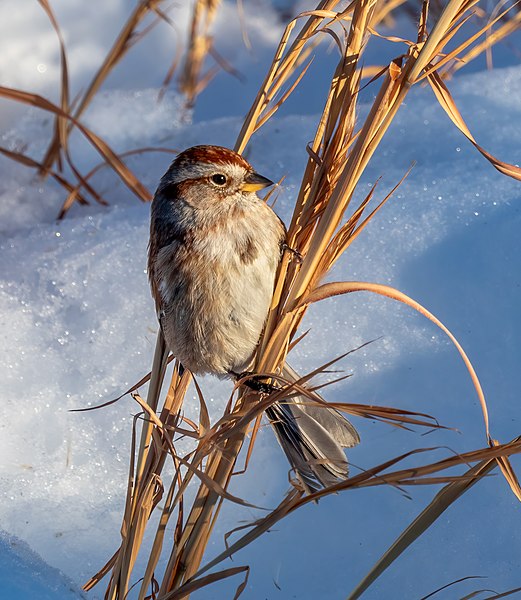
78,327
24,575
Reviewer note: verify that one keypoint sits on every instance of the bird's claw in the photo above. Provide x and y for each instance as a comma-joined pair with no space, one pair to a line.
254,382
295,254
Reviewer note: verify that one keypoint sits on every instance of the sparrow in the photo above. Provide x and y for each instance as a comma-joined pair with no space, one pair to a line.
214,250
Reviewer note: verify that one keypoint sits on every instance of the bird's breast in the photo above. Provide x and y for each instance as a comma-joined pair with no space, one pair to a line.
216,289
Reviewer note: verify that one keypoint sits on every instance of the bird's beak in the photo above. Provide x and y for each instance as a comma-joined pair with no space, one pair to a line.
254,182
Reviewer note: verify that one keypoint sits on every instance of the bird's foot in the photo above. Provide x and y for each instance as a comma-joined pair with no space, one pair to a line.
255,382
295,254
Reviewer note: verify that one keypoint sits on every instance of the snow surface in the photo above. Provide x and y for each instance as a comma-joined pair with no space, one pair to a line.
23,574
78,327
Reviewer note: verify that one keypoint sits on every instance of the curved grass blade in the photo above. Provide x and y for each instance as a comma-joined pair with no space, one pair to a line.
126,175
328,290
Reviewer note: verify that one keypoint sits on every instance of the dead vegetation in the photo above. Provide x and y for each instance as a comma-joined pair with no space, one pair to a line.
324,224
190,71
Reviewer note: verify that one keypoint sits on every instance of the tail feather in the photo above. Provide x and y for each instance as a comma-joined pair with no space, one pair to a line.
313,438
331,419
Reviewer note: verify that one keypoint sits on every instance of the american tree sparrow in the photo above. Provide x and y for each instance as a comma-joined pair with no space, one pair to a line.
213,255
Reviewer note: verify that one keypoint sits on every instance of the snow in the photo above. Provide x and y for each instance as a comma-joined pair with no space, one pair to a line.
23,574
78,325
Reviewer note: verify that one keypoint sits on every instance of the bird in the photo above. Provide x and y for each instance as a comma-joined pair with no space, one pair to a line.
213,255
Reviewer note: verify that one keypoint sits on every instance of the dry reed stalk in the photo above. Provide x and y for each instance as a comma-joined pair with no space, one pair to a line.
456,485
27,161
105,151
59,140
474,593
74,192
510,23
509,19
127,37
383,11
200,42
67,116
323,226
186,558
312,232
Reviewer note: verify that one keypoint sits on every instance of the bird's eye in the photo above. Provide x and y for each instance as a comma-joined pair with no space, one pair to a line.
219,179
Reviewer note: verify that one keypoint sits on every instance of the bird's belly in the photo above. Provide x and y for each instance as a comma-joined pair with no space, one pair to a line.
215,317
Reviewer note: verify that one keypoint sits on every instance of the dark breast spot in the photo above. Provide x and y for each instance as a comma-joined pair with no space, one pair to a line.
247,250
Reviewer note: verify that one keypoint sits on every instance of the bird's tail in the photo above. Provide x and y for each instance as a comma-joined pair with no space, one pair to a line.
313,438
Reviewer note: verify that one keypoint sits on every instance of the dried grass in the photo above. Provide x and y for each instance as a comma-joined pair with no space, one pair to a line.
127,37
108,155
67,115
323,226
192,81
508,20
145,17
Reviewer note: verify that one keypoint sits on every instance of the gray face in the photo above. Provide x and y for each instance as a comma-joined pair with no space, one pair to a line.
203,184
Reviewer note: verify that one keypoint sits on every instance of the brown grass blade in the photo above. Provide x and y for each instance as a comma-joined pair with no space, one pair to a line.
508,473
249,452
71,198
95,579
196,584
455,54
285,96
128,178
281,69
204,419
502,595
485,457
34,164
333,289
207,481
175,61
157,546
448,585
383,12
141,493
508,27
82,182
348,233
441,502
242,20
258,528
191,80
445,99
121,45
59,140
338,156
389,414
